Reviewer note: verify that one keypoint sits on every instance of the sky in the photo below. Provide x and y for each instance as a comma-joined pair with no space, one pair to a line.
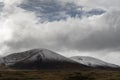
69,27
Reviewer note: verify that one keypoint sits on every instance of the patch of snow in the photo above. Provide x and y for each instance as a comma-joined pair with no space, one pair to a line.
90,61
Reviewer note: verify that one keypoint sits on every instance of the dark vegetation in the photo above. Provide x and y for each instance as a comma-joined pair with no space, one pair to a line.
46,65
85,74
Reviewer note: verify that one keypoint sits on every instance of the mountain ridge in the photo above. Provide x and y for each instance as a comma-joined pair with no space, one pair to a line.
39,59
47,59
93,62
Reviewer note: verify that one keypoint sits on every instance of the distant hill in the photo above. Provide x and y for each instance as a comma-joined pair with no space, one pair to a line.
93,62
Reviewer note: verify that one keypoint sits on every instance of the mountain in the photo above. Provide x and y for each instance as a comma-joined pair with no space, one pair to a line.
93,62
38,59
46,59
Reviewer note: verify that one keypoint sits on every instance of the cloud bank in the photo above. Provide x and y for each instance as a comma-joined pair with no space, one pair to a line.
61,26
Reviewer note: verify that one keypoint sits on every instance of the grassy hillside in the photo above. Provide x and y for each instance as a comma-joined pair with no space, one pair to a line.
60,75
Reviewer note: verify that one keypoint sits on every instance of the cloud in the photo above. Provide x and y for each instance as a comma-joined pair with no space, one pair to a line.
53,10
99,33
108,37
106,4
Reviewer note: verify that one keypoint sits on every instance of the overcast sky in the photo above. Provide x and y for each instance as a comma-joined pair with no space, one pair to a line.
69,27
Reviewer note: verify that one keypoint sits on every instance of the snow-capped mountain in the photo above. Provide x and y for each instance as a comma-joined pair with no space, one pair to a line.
93,62
46,59
38,59
34,54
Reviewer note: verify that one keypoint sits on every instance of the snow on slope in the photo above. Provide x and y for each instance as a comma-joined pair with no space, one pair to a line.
33,55
93,62
40,58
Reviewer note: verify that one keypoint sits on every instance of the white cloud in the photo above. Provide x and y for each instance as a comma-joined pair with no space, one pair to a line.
12,2
107,4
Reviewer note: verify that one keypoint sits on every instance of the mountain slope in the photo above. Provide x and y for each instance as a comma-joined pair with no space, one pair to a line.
93,62
39,59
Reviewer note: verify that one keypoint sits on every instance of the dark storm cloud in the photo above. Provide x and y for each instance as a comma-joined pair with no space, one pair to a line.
1,6
52,10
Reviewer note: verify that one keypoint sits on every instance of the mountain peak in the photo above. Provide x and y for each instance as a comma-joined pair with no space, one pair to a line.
38,59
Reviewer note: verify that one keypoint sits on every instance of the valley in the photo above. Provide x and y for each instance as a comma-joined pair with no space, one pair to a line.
86,74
